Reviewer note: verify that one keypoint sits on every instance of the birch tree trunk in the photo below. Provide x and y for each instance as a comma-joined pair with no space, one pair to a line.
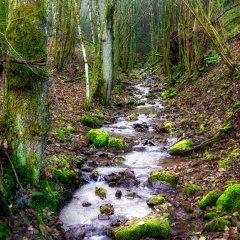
106,7
25,113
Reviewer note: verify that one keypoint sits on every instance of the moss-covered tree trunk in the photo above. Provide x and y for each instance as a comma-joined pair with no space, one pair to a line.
26,90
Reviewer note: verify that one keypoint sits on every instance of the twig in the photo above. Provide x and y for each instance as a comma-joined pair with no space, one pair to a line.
13,168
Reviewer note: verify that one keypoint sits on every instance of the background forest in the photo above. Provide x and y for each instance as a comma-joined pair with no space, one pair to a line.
87,84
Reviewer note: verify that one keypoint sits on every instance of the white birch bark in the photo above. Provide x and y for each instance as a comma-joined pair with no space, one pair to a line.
77,11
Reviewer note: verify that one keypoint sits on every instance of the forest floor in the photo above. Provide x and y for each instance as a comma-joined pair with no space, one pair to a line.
198,110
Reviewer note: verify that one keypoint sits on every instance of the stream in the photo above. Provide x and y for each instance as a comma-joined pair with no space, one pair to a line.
81,216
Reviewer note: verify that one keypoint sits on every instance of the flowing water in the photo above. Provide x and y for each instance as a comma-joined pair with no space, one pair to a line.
148,153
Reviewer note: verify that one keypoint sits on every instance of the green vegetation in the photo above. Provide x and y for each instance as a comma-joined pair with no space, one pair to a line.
191,189
230,199
151,95
71,129
101,192
217,225
169,93
98,138
181,146
163,177
210,199
152,227
210,215
61,133
4,233
46,196
116,143
168,126
155,200
90,121
132,101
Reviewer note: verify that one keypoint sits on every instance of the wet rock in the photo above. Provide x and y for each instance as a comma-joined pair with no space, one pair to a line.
155,200
103,217
86,204
118,194
118,221
123,179
155,226
101,192
107,209
86,177
143,127
86,168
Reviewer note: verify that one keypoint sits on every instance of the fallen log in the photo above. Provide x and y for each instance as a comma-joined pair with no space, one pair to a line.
214,139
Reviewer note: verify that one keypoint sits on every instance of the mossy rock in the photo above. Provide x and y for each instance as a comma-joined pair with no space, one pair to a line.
230,200
181,146
71,129
107,209
116,143
209,200
132,101
210,215
190,189
90,121
101,192
217,225
152,227
151,95
98,137
155,200
163,177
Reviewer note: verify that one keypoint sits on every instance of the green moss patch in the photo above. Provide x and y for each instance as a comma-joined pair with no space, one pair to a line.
101,192
217,225
163,177
98,137
181,146
90,121
107,209
209,200
153,227
191,189
155,200
210,215
116,143
230,199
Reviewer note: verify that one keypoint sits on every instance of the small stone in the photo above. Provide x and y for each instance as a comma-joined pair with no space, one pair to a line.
107,209
118,194
86,204
103,217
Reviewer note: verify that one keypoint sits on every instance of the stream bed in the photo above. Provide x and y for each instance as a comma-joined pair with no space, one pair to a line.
81,216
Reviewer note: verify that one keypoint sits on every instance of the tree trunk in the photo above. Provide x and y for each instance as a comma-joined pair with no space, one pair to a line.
25,113
106,7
